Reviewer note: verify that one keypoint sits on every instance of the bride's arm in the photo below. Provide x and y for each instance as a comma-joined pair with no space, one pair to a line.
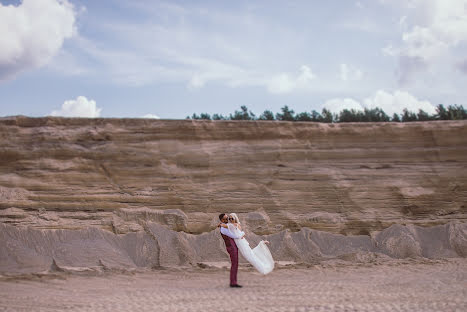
233,229
239,227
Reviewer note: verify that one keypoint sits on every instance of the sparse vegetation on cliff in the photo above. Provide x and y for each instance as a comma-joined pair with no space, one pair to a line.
452,112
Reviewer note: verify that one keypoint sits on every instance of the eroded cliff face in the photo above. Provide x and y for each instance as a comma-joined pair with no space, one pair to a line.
129,175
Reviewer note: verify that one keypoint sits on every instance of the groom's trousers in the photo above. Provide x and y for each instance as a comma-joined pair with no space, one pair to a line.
233,253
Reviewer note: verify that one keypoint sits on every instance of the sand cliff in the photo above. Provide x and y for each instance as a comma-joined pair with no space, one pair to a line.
146,193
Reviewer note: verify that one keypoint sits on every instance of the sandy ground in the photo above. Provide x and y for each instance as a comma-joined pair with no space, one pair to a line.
399,286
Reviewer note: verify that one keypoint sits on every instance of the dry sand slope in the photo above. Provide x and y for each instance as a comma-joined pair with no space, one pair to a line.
117,174
395,286
103,194
26,250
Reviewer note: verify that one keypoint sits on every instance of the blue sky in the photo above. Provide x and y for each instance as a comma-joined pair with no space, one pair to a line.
169,59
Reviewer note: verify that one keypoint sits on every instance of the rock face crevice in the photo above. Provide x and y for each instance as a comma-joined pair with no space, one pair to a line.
122,177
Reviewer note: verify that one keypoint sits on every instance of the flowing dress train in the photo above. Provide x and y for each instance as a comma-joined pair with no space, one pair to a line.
260,256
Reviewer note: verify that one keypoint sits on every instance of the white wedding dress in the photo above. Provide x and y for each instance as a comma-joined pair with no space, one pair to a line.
260,256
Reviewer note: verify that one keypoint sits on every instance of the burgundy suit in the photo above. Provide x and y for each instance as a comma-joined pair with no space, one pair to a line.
233,252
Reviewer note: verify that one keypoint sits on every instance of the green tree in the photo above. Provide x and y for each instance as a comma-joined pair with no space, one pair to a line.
381,115
423,116
315,116
351,115
266,115
328,117
373,115
287,114
218,117
303,117
457,112
243,114
408,116
441,112
205,116
452,112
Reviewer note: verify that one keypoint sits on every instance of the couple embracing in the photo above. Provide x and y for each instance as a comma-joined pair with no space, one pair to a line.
260,256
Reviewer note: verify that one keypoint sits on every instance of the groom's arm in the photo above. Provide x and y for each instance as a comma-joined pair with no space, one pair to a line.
230,234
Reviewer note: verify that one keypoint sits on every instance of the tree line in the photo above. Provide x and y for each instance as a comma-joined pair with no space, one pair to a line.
452,112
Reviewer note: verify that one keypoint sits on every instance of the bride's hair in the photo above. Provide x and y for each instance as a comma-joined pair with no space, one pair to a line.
234,215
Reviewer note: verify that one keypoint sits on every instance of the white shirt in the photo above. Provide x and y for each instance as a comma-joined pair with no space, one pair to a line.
228,233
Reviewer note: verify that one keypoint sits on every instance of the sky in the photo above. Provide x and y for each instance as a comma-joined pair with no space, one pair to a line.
170,59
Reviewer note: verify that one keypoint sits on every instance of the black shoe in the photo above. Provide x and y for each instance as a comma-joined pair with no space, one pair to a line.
236,286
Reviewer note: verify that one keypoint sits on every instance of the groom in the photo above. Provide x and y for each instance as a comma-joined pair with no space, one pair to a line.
231,249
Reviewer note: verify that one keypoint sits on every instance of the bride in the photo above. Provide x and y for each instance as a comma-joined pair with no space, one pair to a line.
260,256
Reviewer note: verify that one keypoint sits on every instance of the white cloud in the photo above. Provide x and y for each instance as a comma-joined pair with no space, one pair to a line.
286,83
337,105
32,33
390,103
395,102
81,107
424,43
348,73
150,116
235,76
437,27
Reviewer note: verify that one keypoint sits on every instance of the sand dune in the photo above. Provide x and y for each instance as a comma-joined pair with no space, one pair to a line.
32,250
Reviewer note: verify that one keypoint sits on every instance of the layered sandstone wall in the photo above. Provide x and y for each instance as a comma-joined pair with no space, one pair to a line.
124,176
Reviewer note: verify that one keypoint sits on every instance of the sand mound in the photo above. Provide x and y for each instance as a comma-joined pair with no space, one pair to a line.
400,242
32,250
